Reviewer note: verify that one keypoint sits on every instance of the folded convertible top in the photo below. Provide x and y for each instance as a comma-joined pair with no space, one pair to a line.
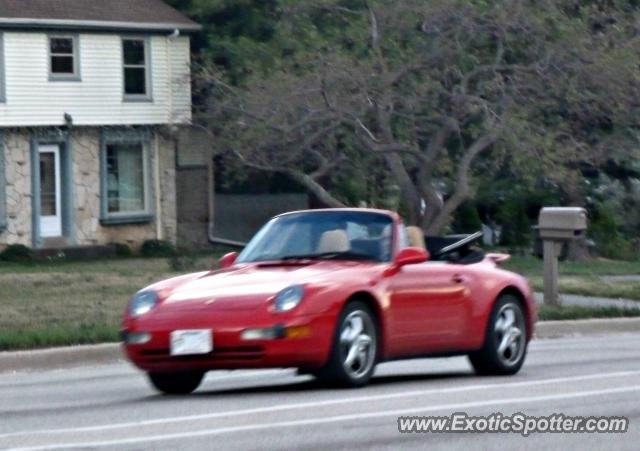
454,247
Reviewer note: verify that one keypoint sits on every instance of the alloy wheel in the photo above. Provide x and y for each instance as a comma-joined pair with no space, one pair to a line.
510,334
358,344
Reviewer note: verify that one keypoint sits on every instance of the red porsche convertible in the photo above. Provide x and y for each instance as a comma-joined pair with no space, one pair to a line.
333,293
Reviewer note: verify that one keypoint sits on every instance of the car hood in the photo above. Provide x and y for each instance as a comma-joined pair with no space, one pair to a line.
249,286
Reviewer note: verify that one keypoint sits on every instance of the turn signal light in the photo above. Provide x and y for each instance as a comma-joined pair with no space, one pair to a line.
137,338
298,332
276,332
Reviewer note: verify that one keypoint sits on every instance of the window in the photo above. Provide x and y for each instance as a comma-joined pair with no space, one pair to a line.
2,88
126,179
126,188
63,58
137,80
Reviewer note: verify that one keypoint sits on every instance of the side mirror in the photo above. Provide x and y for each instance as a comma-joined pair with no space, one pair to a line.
411,256
227,260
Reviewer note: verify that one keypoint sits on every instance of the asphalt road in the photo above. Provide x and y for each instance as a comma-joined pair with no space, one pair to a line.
113,407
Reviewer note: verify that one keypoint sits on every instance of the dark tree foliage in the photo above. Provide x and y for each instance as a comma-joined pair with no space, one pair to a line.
237,35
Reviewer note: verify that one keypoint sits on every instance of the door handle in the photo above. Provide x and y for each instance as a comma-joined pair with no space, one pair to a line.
457,278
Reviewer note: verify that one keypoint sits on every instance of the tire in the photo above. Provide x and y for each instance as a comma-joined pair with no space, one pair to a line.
181,383
505,344
354,353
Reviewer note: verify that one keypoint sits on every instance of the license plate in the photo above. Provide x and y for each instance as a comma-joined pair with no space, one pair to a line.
189,342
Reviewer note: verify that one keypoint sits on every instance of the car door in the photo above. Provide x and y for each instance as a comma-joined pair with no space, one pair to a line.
429,307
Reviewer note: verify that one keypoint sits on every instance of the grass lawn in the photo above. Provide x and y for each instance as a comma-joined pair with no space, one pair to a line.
65,303
548,313
585,278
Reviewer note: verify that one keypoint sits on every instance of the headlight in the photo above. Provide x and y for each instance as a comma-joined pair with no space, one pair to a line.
142,302
289,298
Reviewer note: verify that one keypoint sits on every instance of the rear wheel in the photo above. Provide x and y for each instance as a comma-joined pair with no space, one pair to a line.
179,383
355,348
505,345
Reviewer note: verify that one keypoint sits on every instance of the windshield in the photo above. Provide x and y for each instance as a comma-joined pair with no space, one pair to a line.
322,235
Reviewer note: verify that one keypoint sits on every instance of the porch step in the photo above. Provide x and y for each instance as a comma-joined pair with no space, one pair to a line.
54,243
74,252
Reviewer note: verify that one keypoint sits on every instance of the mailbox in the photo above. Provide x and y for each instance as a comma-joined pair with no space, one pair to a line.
558,225
562,223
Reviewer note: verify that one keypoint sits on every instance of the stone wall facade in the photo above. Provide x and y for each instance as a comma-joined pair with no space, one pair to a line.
17,167
86,225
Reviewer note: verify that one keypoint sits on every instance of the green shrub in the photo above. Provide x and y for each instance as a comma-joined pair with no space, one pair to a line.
610,243
122,250
16,253
516,227
157,248
467,219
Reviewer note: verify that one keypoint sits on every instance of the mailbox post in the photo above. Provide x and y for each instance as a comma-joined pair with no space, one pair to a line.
558,225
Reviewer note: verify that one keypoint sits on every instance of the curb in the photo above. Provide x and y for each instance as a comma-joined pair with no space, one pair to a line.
590,301
76,356
586,327
57,358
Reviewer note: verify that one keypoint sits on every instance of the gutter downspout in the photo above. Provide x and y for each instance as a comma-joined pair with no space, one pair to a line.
158,194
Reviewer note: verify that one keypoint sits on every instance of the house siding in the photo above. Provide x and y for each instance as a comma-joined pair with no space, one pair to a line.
180,69
85,144
98,98
2,77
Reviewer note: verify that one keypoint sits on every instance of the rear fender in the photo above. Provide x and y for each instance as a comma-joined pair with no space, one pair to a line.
498,258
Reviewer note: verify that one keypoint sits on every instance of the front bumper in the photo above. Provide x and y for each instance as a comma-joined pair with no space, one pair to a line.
302,342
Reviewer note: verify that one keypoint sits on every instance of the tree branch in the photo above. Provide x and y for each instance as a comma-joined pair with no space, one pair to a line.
462,182
303,179
314,188
374,30
469,76
438,140
326,167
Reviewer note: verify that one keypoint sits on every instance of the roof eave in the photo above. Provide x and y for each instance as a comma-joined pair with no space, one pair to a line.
97,25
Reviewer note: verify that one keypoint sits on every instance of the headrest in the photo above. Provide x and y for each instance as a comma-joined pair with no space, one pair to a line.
416,237
333,241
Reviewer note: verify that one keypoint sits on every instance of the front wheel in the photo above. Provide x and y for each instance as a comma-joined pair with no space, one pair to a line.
505,343
355,348
181,383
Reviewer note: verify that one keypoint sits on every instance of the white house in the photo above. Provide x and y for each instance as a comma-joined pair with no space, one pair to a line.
91,95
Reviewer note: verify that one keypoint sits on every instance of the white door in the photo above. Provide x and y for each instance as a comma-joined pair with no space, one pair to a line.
50,214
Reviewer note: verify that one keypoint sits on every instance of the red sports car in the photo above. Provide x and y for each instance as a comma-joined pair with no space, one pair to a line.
333,293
